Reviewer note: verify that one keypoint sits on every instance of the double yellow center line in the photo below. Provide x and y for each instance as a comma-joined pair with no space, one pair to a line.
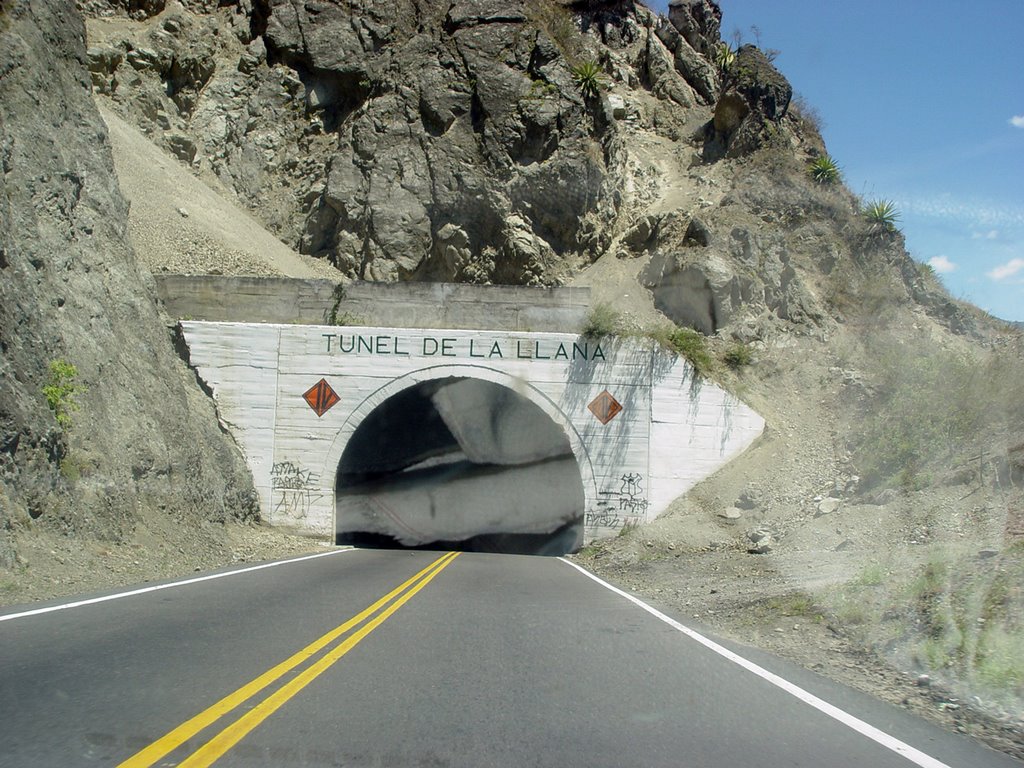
220,743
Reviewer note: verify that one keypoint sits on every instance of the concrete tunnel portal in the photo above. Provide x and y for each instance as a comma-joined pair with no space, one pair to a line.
460,463
480,439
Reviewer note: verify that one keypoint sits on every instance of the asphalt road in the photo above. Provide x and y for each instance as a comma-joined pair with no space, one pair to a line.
475,660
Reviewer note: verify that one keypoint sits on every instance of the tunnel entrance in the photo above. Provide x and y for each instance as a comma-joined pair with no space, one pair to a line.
460,463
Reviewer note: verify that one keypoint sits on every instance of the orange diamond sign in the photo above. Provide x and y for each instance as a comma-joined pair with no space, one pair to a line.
320,397
605,407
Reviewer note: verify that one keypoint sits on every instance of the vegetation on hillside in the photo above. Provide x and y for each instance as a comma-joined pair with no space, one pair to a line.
61,390
604,320
937,413
824,170
588,78
882,215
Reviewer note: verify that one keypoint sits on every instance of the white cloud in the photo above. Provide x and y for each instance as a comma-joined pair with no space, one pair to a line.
1017,121
942,265
1009,269
982,215
992,234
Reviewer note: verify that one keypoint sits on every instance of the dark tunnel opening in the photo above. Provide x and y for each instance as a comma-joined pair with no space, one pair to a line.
460,464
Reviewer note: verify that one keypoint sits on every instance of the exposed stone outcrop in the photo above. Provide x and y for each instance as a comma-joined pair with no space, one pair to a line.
145,436
698,21
696,69
470,119
755,98
447,140
365,133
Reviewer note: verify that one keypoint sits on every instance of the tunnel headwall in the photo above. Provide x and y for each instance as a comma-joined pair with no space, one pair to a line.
222,298
637,425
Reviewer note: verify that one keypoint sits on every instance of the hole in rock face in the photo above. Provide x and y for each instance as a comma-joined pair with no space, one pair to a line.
460,463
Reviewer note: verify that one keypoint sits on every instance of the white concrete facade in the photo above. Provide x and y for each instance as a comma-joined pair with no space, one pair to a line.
666,432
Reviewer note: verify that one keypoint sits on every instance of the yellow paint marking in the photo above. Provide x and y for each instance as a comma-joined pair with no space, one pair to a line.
174,739
207,754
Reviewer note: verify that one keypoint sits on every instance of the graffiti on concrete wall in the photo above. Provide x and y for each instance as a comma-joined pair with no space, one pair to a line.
295,489
623,504
631,495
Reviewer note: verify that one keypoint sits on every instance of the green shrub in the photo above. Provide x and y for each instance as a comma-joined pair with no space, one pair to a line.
738,356
588,78
540,89
872,575
1001,659
793,604
688,343
881,215
602,320
824,170
60,391
926,270
725,57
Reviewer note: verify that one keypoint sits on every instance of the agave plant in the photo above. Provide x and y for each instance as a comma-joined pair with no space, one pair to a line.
588,78
824,170
725,57
882,215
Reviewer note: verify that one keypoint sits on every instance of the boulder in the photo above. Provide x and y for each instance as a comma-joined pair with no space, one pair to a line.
827,507
696,292
761,542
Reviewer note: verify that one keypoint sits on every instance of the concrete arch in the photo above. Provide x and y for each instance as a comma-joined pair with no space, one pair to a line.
333,457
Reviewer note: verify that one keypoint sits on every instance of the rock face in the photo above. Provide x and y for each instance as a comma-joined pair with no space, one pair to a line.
463,116
447,140
144,436
423,141
755,97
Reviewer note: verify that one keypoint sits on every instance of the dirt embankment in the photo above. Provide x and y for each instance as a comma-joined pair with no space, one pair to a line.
912,594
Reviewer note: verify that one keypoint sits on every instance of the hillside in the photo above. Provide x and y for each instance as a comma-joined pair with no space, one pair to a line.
419,140
112,465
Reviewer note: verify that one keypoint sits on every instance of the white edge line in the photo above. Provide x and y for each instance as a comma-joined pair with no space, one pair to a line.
158,587
889,742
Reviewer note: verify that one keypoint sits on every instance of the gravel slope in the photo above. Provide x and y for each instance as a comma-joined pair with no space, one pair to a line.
180,225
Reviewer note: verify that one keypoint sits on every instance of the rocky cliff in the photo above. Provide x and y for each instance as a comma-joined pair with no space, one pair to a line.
135,434
459,140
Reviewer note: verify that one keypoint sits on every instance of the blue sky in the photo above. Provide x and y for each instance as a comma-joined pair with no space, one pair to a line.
923,104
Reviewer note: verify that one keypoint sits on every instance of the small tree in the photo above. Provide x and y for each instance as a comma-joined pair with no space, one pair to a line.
60,391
